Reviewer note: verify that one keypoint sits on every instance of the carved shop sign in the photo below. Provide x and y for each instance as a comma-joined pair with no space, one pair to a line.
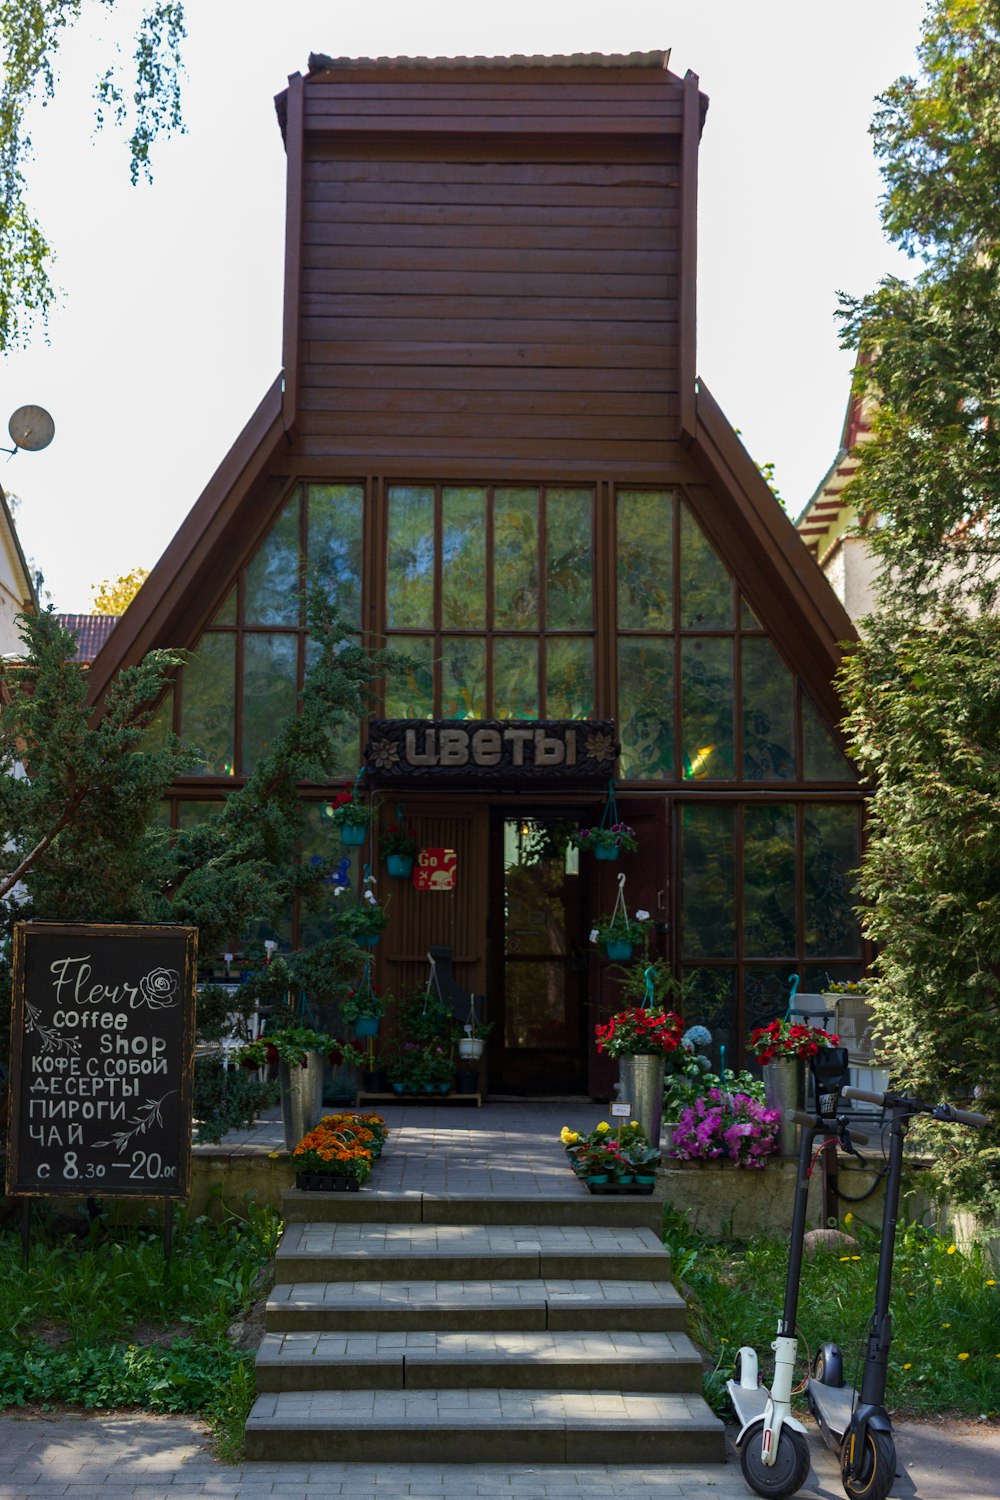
501,752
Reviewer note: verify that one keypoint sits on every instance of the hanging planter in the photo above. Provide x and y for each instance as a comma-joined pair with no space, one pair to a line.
363,921
610,837
619,934
397,845
351,816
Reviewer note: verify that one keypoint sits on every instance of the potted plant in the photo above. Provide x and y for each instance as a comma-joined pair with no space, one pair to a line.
351,817
404,1069
437,1068
782,1047
363,1007
606,841
619,934
339,1151
722,1123
300,1053
364,920
474,1035
398,847
641,1038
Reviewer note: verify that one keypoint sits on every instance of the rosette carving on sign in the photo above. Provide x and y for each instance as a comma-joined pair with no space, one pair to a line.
159,989
600,746
383,754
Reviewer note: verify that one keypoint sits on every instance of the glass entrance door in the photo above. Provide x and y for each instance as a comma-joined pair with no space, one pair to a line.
542,1044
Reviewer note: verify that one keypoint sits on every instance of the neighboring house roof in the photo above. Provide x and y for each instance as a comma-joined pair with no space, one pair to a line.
15,574
828,515
91,633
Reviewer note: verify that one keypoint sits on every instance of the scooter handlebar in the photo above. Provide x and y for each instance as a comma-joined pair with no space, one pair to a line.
946,1112
797,1117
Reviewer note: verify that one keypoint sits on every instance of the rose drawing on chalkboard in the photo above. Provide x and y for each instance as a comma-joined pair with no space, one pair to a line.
158,989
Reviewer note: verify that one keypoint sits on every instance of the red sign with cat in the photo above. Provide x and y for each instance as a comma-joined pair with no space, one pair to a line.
436,870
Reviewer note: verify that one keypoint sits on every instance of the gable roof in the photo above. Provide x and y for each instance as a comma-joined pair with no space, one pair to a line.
91,631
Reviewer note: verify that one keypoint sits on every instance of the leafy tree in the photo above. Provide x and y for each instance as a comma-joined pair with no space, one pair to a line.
113,596
31,32
83,843
923,689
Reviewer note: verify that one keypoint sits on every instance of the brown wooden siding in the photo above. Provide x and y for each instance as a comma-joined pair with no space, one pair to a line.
495,302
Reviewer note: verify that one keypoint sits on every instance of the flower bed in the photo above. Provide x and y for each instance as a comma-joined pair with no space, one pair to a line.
721,1124
612,1161
338,1154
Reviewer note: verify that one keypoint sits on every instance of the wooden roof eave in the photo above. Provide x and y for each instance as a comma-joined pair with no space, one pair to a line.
799,604
212,529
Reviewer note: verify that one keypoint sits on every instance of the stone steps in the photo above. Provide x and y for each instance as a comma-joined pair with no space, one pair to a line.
484,1426
444,1328
490,1305
393,1252
420,1360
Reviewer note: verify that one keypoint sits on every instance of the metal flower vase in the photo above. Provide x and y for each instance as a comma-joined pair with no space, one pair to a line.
785,1089
641,1083
301,1097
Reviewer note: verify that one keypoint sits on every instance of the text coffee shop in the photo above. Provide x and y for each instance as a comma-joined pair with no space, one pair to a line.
490,441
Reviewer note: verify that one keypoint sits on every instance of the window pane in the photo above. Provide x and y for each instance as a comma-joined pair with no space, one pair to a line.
344,731
708,894
768,713
410,694
706,587
769,882
646,707
748,620
832,853
208,702
515,678
463,558
569,678
645,559
270,666
707,695
161,725
515,559
710,1001
463,677
766,994
569,562
335,533
227,613
271,590
410,581
189,814
822,758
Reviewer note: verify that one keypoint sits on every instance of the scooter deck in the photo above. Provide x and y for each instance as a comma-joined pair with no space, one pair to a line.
831,1405
750,1401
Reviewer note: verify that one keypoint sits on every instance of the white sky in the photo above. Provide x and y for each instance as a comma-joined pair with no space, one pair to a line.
170,329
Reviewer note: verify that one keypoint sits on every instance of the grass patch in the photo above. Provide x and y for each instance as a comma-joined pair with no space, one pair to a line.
100,1319
945,1353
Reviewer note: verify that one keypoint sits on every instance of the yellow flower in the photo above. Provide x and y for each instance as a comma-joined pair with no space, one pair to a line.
634,1124
907,1367
991,1282
273,1155
945,1325
937,1283
845,1257
950,1250
723,1341
855,1257
848,1217
603,1127
963,1356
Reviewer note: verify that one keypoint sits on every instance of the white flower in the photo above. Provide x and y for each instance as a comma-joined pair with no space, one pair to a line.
370,896
338,890
593,934
642,916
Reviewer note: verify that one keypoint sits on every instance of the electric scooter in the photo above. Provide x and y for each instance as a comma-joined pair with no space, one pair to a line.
855,1424
772,1444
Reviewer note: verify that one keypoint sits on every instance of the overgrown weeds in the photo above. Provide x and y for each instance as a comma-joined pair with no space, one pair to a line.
945,1352
100,1319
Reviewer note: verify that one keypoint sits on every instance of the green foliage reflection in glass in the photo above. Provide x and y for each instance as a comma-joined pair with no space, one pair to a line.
270,671
515,559
707,698
569,677
209,702
463,559
706,587
768,713
335,521
411,696
272,588
646,706
769,882
515,677
463,677
708,906
569,561
832,854
410,598
822,757
645,565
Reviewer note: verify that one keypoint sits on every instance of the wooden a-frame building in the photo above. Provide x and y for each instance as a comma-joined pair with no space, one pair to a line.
490,438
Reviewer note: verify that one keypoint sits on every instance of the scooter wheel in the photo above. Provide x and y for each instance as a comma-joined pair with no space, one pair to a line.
790,1469
829,1366
876,1471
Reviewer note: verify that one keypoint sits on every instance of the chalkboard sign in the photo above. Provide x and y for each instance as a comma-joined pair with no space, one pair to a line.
102,1056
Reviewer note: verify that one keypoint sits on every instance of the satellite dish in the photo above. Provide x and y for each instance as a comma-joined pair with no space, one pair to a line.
31,428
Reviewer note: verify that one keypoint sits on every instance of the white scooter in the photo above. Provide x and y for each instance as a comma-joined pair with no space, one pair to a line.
772,1444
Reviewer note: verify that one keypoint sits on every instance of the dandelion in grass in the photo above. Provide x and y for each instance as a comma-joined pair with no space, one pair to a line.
855,1257
962,1356
848,1218
991,1282
845,1257
945,1325
950,1250
907,1366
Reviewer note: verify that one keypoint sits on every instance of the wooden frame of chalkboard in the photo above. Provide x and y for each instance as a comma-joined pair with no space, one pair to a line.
102,1060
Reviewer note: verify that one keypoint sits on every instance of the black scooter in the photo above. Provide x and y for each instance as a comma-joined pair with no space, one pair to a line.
856,1424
